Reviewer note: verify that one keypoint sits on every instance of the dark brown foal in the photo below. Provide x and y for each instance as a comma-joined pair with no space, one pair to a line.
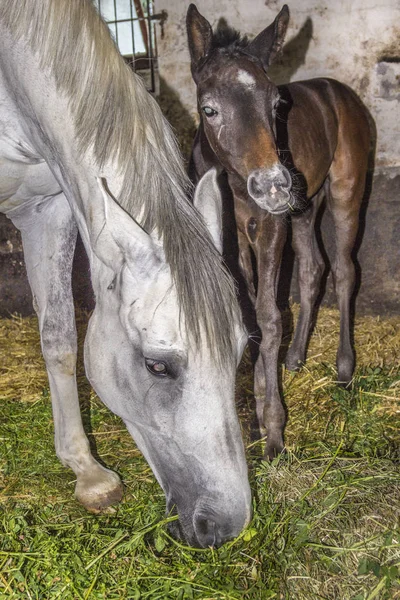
284,148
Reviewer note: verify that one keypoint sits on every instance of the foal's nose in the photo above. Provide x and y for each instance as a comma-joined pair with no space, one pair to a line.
270,188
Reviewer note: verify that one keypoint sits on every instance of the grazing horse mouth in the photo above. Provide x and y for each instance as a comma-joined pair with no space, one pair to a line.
202,529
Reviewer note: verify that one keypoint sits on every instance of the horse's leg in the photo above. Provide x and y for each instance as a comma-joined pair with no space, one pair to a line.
310,270
49,238
246,265
270,411
344,200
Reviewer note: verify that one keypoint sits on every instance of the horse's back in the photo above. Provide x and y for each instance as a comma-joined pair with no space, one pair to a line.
345,110
326,123
354,133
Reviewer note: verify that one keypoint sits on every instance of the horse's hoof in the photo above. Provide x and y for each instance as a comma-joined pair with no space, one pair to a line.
272,451
99,490
345,367
293,363
345,385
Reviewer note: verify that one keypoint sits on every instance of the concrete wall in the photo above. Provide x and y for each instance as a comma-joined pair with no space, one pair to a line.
355,41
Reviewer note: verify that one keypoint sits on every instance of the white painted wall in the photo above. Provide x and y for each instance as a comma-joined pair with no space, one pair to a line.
350,39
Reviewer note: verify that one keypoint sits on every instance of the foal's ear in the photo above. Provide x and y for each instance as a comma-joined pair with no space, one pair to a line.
116,237
208,201
269,42
199,33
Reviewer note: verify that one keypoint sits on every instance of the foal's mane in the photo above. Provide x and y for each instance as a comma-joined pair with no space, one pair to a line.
119,121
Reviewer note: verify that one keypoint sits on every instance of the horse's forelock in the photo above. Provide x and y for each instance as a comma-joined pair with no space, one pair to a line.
228,37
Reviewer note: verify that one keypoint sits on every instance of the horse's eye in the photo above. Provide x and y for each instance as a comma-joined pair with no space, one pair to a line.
156,367
276,104
208,111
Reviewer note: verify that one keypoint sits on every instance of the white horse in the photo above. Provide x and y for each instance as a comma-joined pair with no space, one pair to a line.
84,147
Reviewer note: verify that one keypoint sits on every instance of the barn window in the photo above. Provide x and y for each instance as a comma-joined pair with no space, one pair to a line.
132,25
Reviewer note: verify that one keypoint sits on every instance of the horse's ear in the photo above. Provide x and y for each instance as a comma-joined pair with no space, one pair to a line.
208,201
116,237
199,33
269,42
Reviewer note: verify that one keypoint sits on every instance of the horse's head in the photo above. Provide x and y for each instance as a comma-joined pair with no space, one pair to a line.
238,105
175,393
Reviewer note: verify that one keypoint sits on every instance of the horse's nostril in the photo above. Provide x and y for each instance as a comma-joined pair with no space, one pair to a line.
254,188
285,180
207,532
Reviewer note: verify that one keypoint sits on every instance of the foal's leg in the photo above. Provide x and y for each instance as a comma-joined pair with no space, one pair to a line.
344,200
49,237
270,411
246,265
310,270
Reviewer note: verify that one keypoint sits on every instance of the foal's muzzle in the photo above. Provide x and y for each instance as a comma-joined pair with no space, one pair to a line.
270,188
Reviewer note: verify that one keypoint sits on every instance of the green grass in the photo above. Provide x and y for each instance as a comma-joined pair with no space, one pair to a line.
326,515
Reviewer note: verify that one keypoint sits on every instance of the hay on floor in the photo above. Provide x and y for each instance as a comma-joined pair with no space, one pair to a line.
377,340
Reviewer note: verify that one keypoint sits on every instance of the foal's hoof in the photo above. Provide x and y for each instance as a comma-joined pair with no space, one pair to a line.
345,368
346,385
293,363
273,450
99,490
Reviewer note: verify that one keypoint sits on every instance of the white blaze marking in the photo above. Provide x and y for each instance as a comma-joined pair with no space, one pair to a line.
246,78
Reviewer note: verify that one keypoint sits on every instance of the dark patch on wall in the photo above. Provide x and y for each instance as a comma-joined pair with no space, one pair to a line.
180,119
293,55
388,76
15,293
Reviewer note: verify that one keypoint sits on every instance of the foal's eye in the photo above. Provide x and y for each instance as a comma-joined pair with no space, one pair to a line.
156,367
208,111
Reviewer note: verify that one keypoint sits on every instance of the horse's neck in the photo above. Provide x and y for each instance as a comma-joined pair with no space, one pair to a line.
50,130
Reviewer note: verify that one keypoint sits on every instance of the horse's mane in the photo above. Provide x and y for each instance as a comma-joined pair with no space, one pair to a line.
119,121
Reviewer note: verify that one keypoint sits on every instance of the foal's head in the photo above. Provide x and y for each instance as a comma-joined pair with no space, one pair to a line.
238,105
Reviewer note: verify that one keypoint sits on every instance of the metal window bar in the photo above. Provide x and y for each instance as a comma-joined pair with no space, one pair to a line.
141,54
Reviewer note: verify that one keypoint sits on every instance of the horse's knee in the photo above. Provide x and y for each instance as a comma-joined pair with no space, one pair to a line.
270,324
59,348
60,360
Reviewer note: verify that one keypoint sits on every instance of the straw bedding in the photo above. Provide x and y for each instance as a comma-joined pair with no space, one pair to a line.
23,376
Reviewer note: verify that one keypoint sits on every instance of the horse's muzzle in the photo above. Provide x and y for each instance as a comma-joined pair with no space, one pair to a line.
271,188
212,532
207,528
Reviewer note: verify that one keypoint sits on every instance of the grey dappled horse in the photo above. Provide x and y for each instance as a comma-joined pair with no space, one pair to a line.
78,131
